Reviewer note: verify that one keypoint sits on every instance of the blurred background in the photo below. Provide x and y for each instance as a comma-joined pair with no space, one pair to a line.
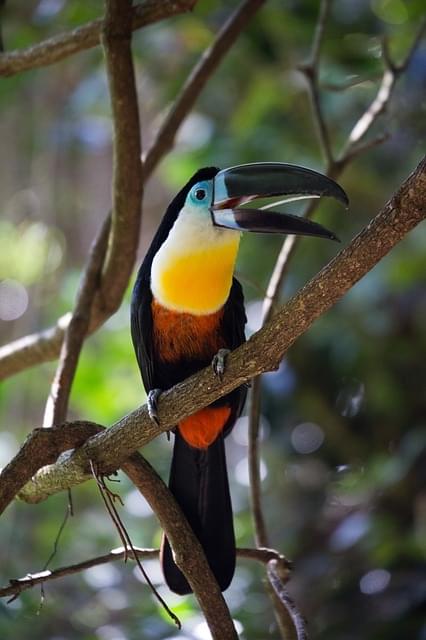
343,420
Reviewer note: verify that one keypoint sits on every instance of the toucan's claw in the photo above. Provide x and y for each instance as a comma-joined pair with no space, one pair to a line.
219,362
152,402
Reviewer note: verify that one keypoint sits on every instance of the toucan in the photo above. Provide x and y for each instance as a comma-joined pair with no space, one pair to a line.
187,311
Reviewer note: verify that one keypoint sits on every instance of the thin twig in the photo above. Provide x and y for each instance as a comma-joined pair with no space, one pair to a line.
260,530
109,498
350,83
17,586
311,71
281,592
379,105
66,44
196,81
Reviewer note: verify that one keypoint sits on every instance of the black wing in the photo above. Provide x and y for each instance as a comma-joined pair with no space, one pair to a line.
141,329
233,325
234,317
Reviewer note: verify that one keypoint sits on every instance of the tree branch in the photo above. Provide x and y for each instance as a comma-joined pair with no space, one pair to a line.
66,44
127,173
262,352
187,551
281,593
16,586
196,81
311,71
57,402
379,105
42,447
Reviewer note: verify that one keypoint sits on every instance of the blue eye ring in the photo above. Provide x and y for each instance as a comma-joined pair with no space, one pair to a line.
200,193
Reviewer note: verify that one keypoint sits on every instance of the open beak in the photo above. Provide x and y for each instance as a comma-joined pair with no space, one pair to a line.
244,183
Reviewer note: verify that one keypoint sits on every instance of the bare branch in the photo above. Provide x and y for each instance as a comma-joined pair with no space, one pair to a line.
109,498
260,530
33,349
16,586
127,174
311,71
57,402
349,83
277,583
196,81
188,553
262,352
66,44
42,447
378,106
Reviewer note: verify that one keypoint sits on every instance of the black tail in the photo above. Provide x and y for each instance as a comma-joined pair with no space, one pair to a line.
199,482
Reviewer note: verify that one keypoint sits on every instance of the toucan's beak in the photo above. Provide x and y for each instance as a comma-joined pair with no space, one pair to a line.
239,185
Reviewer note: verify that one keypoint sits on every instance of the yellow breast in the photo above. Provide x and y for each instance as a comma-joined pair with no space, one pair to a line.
197,281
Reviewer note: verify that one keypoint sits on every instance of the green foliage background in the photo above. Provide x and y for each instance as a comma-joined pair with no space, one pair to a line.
351,510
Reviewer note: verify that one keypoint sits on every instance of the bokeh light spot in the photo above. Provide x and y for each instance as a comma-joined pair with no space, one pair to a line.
110,632
374,581
241,472
352,529
13,300
307,437
104,575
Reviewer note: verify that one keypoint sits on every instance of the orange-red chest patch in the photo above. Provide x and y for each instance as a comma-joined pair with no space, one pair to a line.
183,335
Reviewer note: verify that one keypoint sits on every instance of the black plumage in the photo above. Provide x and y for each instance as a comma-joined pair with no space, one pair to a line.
198,477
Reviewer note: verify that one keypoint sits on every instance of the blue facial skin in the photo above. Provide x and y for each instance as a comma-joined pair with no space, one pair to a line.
200,194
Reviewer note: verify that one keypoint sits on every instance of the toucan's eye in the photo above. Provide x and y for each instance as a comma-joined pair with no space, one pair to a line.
200,194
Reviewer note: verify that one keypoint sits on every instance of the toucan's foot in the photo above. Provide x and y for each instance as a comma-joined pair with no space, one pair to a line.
152,402
219,362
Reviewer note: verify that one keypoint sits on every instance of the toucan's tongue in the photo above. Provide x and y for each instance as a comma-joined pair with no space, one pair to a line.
244,183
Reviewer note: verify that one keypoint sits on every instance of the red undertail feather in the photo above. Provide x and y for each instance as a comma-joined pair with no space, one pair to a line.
203,427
